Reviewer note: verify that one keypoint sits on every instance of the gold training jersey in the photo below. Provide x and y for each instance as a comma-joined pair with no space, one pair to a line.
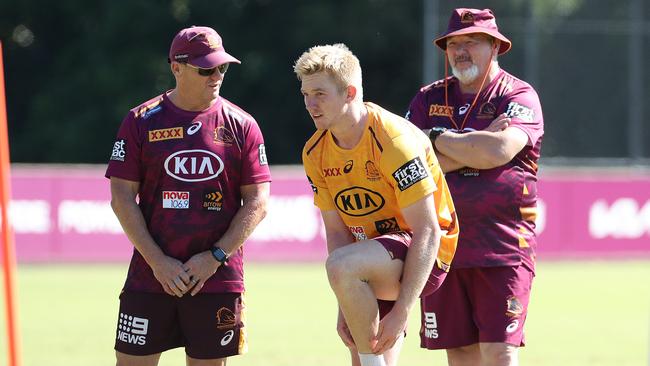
392,167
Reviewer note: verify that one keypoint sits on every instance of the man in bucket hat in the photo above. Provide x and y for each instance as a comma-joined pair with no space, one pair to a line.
486,127
198,166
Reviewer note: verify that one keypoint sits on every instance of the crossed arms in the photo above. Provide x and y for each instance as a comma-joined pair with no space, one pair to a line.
486,149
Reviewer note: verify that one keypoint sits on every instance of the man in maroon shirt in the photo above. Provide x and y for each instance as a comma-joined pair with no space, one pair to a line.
486,127
197,164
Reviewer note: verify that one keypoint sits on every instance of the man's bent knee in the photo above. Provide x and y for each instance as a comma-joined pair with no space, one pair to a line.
338,268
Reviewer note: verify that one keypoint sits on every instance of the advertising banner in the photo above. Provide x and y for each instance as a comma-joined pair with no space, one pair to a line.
63,214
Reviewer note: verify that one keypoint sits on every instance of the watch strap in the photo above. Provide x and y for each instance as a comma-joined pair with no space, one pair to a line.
435,132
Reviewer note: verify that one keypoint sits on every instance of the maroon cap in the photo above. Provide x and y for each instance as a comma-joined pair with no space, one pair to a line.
465,21
200,47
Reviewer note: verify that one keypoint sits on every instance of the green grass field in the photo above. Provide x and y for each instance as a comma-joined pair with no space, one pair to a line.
582,313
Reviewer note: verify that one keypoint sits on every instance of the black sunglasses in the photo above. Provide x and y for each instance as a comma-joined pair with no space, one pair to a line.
209,72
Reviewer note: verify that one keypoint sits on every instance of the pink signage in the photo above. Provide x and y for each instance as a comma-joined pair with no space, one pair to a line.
63,214
596,214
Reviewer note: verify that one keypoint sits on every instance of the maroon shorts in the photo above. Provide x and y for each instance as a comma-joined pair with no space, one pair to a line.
397,245
475,305
209,326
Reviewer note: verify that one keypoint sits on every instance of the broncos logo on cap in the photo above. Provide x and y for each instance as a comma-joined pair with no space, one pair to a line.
213,42
467,17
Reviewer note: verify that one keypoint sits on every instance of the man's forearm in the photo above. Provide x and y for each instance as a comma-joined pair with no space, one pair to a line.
130,217
417,267
243,224
479,149
448,164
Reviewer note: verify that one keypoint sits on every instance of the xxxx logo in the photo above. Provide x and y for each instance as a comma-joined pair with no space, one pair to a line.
331,172
441,110
166,134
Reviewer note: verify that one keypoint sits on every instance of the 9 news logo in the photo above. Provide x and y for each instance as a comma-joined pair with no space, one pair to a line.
132,329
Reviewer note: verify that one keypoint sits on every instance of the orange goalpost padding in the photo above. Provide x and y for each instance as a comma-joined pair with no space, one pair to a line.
8,253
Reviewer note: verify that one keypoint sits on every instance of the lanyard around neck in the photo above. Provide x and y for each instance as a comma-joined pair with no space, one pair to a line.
480,89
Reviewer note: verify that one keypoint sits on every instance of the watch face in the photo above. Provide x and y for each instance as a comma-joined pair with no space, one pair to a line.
219,254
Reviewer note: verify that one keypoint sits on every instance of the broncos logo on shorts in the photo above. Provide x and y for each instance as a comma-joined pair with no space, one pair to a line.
225,318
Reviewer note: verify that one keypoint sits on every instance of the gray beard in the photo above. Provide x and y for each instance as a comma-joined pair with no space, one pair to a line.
466,76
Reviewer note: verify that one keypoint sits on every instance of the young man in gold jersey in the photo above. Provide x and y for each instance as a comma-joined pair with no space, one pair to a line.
389,219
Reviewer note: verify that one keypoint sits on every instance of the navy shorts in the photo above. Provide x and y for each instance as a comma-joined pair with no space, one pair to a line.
209,326
397,245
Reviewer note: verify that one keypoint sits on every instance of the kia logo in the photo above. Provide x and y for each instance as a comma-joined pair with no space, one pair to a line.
358,201
193,165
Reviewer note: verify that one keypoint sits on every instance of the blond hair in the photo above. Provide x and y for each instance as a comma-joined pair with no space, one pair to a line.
337,60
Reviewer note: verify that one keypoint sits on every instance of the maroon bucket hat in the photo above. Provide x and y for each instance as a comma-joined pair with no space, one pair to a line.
465,21
201,47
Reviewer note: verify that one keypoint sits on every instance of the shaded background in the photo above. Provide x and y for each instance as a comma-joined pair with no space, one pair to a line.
74,68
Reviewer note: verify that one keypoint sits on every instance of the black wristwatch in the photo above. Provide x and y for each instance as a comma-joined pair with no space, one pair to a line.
219,255
435,132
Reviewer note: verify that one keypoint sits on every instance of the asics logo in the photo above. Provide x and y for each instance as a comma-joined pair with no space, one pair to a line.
194,128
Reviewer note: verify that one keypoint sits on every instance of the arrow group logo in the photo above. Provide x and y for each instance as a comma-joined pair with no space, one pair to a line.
212,200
